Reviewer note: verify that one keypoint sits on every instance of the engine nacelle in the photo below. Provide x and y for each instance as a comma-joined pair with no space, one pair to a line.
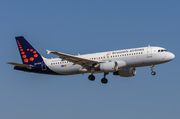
126,72
109,66
121,64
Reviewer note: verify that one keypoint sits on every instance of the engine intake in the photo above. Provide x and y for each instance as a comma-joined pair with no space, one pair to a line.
126,72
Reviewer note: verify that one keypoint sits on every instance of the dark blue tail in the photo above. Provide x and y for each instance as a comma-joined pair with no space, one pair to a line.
28,54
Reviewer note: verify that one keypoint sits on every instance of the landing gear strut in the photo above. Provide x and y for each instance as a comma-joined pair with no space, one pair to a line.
152,69
91,77
104,80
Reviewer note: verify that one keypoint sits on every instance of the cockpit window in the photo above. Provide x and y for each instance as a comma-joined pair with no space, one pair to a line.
163,50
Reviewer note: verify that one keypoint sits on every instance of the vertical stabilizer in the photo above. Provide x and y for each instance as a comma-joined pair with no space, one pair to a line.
28,54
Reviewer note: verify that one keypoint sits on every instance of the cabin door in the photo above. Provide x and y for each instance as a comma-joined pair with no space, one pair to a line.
43,66
149,52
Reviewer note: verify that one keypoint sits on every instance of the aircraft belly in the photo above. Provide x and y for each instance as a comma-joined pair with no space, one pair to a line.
65,69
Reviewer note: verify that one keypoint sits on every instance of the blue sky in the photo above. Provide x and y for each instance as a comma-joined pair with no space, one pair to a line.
86,27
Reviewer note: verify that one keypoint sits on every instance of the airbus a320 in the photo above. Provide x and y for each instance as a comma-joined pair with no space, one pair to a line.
120,62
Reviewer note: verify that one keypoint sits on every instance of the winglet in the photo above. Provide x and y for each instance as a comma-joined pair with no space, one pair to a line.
48,51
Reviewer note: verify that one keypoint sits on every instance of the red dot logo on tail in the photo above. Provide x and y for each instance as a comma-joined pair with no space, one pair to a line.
36,55
28,54
24,56
31,59
26,60
22,53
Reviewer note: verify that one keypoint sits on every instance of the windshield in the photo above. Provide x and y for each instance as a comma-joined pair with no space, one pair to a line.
162,50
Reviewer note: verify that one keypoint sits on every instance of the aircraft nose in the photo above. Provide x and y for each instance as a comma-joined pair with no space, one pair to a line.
171,56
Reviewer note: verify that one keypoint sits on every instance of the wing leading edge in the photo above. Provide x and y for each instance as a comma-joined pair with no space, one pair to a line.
86,63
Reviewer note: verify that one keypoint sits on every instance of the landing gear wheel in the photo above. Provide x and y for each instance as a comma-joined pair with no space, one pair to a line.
152,69
104,80
91,77
153,73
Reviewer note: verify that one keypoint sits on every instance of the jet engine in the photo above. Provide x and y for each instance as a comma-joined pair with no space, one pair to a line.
109,66
126,72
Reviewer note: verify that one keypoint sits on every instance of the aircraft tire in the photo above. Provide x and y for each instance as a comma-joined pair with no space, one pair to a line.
91,77
153,73
104,80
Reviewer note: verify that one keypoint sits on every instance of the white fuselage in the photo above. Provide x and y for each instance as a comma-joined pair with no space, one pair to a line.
136,57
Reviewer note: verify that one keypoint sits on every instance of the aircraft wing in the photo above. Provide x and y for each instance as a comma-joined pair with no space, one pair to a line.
75,59
20,65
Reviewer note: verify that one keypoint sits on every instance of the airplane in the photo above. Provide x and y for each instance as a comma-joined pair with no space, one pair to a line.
120,62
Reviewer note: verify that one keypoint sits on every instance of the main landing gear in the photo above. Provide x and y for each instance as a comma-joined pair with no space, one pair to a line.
152,69
91,77
103,80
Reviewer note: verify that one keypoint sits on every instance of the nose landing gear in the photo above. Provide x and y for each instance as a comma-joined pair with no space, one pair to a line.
152,69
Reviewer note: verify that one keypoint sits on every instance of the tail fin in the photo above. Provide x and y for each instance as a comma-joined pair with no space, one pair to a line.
28,54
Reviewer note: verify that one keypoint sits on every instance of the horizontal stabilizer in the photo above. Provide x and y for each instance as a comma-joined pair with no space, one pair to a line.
20,65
